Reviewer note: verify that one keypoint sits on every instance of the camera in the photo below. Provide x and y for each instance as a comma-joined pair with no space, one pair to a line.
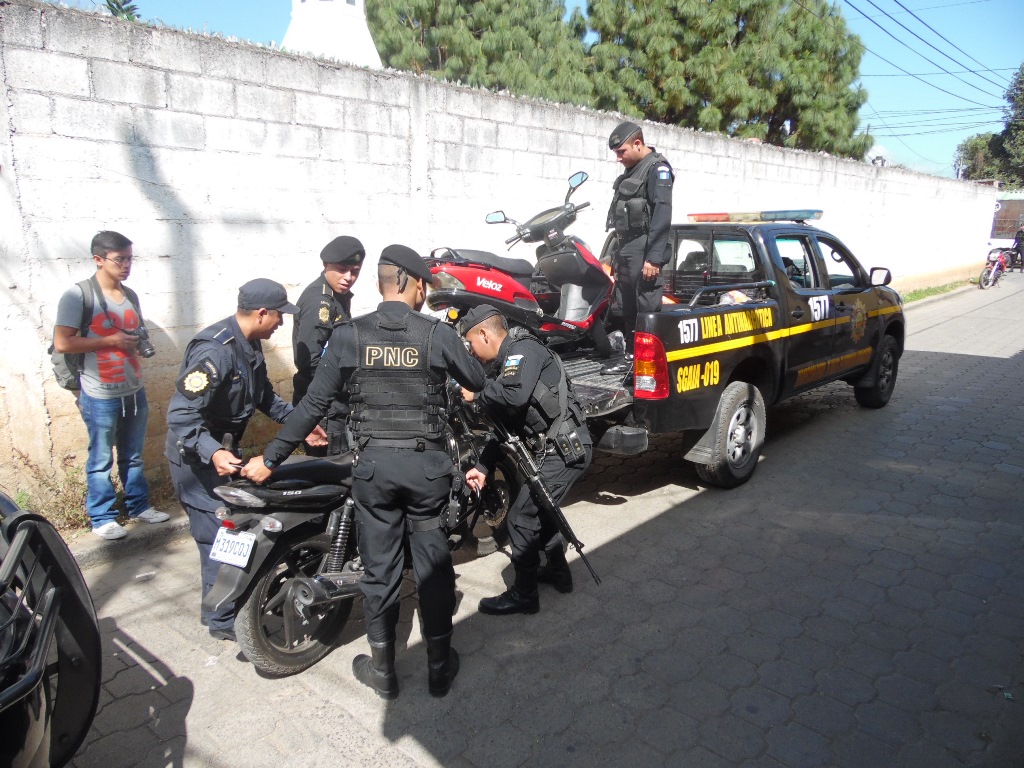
143,346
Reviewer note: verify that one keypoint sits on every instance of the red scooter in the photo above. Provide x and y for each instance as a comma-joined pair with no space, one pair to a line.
564,300
996,265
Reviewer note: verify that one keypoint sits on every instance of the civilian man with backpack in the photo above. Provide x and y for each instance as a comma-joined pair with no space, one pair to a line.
100,332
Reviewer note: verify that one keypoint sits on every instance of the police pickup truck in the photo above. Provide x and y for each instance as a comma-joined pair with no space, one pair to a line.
758,307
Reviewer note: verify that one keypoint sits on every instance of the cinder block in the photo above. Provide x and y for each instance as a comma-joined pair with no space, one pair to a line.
444,127
22,25
376,118
292,140
231,134
325,111
163,128
388,150
92,120
571,146
47,72
481,133
387,88
528,164
30,113
347,82
129,84
86,35
51,159
292,72
164,48
233,61
461,100
513,137
202,95
262,103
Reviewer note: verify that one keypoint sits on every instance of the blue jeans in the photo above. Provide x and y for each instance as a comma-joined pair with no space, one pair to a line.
116,423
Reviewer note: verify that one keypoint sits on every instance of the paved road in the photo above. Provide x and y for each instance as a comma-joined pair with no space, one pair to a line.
860,602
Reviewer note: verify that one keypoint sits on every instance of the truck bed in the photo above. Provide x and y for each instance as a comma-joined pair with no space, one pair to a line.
599,395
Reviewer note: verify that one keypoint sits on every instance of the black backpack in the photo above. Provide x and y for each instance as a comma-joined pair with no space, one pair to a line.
67,367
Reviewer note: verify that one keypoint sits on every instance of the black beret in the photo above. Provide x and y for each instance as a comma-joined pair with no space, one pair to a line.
405,257
262,293
475,316
623,132
343,250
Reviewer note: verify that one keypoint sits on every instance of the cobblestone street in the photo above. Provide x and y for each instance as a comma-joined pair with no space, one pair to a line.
860,602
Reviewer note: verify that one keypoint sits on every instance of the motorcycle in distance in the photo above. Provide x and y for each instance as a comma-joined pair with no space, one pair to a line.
289,552
996,264
564,300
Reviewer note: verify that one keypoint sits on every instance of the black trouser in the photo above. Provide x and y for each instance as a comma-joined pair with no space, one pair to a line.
529,529
389,487
636,294
203,526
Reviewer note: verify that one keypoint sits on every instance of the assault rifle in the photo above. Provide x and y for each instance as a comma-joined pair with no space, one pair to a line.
527,465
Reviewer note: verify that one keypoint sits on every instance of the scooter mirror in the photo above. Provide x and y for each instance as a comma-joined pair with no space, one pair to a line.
497,217
577,179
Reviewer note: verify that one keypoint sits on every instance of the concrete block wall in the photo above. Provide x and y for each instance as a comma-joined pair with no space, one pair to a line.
226,161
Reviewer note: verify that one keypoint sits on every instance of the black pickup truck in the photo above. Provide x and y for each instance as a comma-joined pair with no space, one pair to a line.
758,307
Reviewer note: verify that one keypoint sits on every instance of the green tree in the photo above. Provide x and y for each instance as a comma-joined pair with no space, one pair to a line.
123,10
998,155
769,69
524,47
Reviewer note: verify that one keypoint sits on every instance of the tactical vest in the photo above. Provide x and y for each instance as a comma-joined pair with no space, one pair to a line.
544,413
630,211
395,394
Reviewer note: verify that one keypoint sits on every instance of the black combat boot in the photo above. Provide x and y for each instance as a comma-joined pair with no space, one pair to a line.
378,671
556,571
442,664
521,597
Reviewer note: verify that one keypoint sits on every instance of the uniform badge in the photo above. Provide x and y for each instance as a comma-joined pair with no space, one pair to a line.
664,173
198,379
196,382
512,363
324,314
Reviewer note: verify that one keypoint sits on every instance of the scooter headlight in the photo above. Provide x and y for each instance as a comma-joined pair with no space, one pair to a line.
239,497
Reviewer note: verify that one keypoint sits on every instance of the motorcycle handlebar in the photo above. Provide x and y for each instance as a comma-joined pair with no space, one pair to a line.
513,239
581,206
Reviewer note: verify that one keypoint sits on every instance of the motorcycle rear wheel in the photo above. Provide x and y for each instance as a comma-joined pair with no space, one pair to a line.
272,633
986,280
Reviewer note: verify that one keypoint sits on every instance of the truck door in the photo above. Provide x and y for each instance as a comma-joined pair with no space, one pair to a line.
853,302
809,315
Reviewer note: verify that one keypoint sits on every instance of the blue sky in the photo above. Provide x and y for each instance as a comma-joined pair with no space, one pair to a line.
917,121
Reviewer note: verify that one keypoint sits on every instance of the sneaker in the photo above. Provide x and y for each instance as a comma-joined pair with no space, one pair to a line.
110,531
152,516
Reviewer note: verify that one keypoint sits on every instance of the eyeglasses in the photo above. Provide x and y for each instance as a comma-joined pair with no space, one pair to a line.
119,260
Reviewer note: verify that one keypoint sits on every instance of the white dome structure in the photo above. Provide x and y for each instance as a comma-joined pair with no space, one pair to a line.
333,29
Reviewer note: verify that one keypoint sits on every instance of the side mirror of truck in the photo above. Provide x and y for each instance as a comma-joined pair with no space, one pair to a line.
880,276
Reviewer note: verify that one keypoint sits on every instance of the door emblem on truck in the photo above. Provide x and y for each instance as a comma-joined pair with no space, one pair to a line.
859,321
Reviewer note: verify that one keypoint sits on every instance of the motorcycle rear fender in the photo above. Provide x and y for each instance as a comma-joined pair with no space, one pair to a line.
233,583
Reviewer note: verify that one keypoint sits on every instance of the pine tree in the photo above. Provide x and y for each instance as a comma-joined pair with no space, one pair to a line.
524,47
1001,155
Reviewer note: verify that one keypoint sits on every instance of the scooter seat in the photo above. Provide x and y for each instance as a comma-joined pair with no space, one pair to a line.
307,471
517,268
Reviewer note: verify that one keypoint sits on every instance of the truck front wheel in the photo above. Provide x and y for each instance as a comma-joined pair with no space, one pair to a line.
739,435
878,394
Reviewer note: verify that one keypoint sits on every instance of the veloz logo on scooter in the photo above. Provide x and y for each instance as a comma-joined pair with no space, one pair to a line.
378,356
490,285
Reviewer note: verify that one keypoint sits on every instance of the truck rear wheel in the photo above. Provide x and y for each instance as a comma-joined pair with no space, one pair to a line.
739,434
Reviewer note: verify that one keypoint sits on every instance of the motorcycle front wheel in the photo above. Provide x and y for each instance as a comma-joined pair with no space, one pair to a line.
272,632
987,278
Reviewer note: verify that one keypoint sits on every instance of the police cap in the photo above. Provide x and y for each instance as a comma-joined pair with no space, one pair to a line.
475,316
623,132
343,250
406,258
263,293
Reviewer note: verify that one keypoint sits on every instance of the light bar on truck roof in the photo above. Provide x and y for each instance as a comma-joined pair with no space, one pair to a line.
798,214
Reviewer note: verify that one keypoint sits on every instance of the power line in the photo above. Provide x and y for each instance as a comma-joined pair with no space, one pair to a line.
948,5
961,72
909,48
898,138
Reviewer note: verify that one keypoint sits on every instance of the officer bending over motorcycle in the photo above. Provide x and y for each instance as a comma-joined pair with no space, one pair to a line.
530,393
394,363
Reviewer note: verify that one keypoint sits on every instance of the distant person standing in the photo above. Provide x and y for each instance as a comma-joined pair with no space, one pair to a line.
113,399
1018,249
641,215
323,306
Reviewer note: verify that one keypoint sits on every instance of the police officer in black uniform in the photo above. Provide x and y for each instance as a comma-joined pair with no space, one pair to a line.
323,306
222,382
530,393
641,215
1018,249
394,364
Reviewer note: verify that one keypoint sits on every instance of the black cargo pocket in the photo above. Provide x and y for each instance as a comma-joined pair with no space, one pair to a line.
437,465
363,469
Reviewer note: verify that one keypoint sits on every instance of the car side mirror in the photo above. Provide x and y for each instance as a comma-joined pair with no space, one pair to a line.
880,276
496,217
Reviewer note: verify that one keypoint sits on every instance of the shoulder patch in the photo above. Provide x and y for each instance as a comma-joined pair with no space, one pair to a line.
664,173
198,379
324,315
512,363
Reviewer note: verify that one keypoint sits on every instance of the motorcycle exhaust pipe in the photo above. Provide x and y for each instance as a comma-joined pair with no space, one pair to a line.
326,588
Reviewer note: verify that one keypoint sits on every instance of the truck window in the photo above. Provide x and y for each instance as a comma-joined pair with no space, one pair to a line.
691,265
733,256
797,260
843,270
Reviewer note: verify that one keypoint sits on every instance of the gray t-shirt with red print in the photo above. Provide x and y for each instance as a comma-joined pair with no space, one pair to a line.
111,372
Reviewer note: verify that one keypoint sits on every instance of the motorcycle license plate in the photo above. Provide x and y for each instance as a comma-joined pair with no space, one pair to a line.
233,547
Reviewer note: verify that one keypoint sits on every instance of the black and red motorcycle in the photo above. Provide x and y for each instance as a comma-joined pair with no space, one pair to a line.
564,299
997,263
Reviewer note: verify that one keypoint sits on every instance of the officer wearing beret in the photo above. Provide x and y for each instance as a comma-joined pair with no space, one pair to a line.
641,215
323,306
530,393
222,382
394,363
